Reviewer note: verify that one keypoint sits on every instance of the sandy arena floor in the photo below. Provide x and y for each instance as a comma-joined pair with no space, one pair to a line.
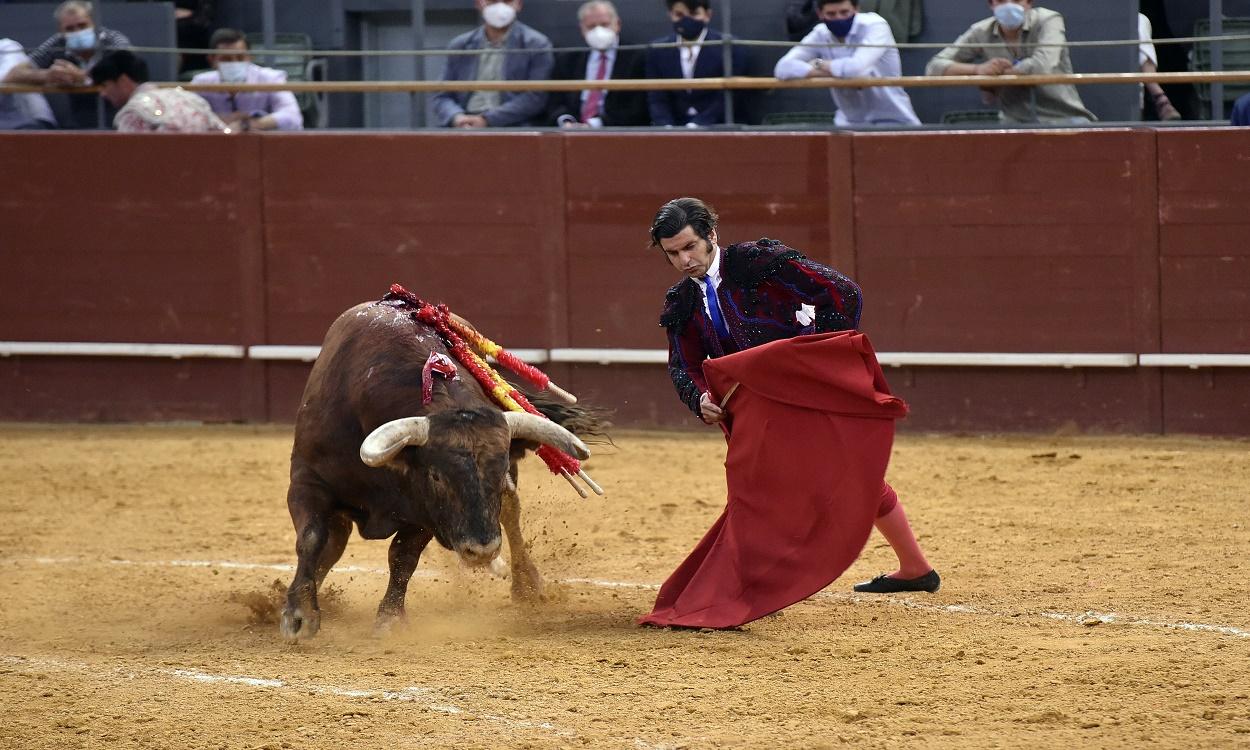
1094,596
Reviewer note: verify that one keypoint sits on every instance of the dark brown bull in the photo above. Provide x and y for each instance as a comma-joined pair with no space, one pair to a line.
368,452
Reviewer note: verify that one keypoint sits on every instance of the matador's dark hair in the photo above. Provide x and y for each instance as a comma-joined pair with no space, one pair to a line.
679,213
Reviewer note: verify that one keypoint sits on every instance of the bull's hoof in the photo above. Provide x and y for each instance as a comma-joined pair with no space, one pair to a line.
388,622
527,589
298,625
499,568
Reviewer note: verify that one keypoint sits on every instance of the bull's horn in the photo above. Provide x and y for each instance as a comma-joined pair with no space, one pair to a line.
389,439
542,430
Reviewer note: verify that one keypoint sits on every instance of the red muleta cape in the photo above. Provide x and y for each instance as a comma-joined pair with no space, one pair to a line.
812,425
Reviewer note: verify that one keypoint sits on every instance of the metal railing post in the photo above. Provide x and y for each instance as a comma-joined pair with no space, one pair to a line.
1217,58
727,58
268,20
417,100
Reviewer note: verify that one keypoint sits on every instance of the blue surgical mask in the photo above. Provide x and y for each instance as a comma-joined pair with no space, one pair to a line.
81,39
689,28
841,27
1009,15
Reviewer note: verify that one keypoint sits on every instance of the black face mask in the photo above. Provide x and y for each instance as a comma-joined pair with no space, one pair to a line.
689,28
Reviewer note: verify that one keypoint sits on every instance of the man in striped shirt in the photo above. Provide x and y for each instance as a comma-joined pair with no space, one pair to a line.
67,57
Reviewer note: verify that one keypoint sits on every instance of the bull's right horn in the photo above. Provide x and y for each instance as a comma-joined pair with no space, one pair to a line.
391,438
542,430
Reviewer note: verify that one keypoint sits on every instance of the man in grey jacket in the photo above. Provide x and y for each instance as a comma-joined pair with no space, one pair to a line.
1022,40
509,54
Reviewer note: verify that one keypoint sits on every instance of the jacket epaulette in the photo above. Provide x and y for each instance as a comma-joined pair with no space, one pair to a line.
679,304
748,264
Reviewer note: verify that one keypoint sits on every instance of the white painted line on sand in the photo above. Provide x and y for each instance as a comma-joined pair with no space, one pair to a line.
420,696
1084,618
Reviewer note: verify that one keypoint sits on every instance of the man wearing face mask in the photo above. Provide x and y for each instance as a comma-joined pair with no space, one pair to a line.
1017,40
67,57
829,51
247,110
505,42
691,21
601,28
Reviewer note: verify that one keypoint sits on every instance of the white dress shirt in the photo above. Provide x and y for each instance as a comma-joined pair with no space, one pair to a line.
713,275
592,67
690,54
866,106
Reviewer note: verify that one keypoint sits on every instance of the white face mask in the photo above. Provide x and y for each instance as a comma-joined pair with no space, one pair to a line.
81,39
1009,15
601,38
499,15
232,72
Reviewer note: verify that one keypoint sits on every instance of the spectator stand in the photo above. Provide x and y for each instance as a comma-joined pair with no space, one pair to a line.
1234,54
146,24
314,105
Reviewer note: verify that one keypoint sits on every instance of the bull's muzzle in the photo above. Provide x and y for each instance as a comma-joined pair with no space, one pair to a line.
477,554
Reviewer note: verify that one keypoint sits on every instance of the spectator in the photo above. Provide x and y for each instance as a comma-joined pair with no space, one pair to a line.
601,28
248,110
1017,40
20,111
687,107
1241,112
144,108
499,34
906,17
841,27
66,58
1148,61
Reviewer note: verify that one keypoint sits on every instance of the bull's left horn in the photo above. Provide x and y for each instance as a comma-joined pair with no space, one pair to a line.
391,438
542,430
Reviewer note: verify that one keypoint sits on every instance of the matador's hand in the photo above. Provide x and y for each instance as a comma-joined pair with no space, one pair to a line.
710,412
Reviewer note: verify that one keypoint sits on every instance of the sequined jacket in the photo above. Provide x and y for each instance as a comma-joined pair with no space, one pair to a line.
763,286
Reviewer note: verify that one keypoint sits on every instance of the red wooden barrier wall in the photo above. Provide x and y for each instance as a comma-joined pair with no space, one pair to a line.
1096,241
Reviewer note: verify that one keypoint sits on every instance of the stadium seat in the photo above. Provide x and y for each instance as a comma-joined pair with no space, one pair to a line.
313,105
1236,57
960,116
798,118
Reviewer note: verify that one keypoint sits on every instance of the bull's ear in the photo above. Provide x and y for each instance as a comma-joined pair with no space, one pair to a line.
542,430
392,437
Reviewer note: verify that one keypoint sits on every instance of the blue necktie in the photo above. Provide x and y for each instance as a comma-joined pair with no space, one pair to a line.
713,307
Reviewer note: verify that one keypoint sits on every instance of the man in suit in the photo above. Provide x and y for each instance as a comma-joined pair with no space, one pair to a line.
691,59
601,27
498,36
788,529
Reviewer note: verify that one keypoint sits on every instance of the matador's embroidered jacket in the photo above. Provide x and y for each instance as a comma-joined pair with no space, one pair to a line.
764,284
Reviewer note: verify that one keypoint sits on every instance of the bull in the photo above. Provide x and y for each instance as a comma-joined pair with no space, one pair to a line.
368,452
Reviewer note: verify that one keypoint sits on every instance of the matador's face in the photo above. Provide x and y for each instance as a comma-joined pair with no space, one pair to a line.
690,253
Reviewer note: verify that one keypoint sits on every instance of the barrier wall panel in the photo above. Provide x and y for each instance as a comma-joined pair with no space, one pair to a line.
149,250
773,185
466,220
1204,216
1025,400
1210,401
1030,241
97,389
640,396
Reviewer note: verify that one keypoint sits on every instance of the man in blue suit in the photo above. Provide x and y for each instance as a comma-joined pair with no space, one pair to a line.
499,35
692,59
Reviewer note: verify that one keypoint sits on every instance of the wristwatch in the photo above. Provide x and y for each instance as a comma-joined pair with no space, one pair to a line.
818,63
